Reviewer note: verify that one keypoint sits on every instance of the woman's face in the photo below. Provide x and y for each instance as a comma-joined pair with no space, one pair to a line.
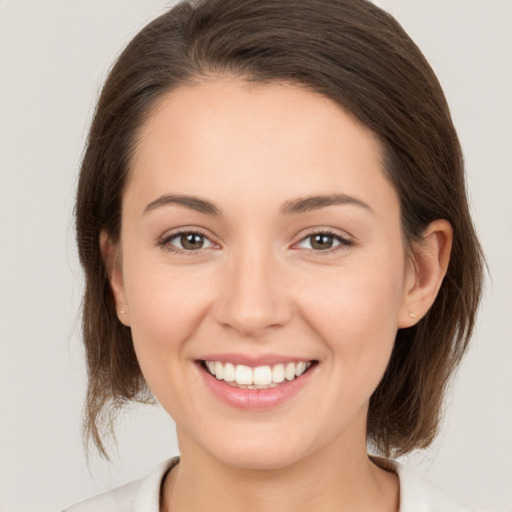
259,231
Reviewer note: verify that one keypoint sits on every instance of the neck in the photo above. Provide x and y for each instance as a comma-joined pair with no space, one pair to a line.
322,481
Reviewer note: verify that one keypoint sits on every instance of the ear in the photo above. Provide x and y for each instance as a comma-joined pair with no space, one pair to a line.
112,259
426,272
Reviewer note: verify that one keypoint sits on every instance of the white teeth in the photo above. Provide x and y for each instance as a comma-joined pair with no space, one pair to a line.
300,368
243,374
219,370
260,377
290,371
278,373
229,372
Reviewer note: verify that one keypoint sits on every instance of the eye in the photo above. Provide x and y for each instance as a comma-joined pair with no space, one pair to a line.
324,241
186,241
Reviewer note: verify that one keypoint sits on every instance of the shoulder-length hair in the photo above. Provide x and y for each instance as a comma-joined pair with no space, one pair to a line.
359,56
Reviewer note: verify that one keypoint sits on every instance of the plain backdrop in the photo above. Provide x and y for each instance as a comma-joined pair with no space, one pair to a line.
53,59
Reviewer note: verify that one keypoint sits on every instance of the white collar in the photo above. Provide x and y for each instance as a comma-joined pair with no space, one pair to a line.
416,493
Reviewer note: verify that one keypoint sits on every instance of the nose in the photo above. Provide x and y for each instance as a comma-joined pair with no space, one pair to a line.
253,294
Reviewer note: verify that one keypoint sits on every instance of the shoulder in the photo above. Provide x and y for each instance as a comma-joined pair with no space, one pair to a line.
138,496
417,494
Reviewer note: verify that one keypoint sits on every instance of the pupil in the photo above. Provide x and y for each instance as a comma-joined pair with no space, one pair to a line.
192,241
322,241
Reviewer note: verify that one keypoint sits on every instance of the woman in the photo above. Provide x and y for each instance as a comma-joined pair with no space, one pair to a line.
272,219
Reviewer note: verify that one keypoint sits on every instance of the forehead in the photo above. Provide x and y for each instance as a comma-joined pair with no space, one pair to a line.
235,139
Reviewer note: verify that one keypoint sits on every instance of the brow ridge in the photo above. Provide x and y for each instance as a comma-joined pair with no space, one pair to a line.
290,207
191,202
305,204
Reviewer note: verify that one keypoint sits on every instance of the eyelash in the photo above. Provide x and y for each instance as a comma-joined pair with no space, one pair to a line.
344,243
164,242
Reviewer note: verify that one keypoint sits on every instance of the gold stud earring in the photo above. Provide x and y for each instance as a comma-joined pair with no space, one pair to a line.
412,315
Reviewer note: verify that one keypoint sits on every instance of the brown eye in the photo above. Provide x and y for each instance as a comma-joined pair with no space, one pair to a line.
191,241
322,241
185,241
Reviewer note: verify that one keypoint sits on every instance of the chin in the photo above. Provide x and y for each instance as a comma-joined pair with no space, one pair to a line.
260,452
258,459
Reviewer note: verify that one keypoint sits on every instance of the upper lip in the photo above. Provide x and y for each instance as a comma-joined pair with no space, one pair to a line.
253,360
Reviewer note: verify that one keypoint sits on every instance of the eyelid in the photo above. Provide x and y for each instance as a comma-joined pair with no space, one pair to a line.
167,237
164,240
344,241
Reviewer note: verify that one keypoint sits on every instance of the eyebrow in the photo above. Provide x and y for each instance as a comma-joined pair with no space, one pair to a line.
290,207
305,204
191,202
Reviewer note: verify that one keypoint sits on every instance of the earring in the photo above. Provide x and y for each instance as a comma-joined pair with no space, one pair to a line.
121,312
412,315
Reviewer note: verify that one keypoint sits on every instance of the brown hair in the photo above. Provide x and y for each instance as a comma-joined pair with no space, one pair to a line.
359,56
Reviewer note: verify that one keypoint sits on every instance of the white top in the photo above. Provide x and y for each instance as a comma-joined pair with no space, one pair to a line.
416,493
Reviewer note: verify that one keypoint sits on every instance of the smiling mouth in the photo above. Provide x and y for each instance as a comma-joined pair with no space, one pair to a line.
260,377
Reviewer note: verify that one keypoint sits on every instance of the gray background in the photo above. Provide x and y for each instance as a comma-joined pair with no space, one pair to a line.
53,58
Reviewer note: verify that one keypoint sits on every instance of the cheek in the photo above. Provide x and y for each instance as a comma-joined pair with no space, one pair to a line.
357,296
166,309
355,311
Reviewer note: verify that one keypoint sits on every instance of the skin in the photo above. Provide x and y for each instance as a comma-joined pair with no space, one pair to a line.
259,286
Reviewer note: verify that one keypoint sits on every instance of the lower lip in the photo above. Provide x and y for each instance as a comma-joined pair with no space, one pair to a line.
255,399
